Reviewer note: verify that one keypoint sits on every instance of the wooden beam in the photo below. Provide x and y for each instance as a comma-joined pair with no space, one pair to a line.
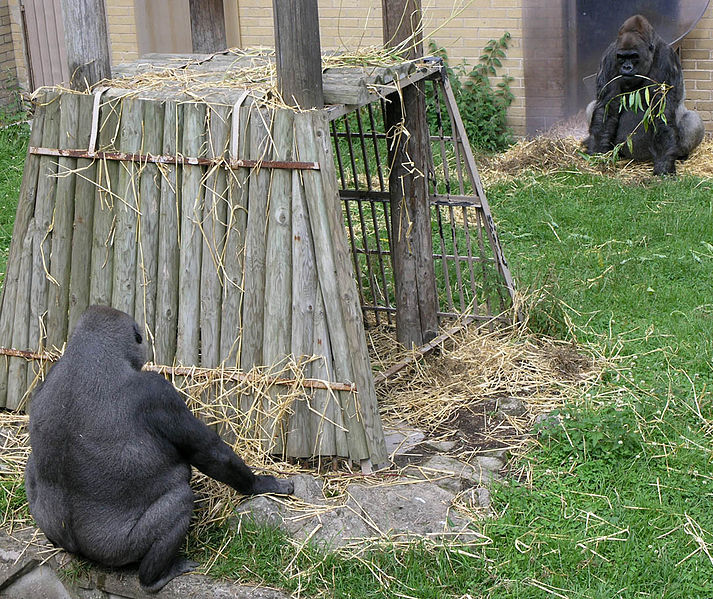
410,154
87,43
298,51
207,26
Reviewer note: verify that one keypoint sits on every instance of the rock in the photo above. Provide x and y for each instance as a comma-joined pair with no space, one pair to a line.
512,406
450,474
488,463
401,438
484,498
40,581
443,446
420,508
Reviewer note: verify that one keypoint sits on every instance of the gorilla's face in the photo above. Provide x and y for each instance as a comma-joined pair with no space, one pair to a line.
634,56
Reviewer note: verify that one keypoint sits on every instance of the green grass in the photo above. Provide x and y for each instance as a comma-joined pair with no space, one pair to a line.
13,146
619,504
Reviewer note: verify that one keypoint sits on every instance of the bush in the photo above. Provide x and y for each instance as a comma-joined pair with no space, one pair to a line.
482,107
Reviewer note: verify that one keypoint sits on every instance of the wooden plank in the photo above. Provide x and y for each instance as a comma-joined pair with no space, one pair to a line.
298,53
60,262
83,223
86,36
126,204
192,196
308,140
304,427
102,263
207,25
277,324
149,208
254,265
41,244
168,242
213,228
25,211
17,372
236,219
346,327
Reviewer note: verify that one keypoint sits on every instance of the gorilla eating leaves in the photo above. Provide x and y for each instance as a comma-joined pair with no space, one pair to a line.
638,58
112,449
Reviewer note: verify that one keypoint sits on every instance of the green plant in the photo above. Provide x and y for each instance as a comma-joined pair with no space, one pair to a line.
482,107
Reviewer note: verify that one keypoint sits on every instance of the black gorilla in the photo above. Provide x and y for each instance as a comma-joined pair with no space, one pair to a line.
639,57
111,453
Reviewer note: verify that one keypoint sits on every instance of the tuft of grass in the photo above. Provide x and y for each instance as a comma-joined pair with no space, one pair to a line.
13,147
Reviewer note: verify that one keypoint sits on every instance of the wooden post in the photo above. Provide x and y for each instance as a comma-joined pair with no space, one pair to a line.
207,26
409,153
299,59
86,38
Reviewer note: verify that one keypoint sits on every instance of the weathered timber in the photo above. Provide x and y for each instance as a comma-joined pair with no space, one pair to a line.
148,206
277,327
302,435
213,229
207,25
23,216
254,264
17,372
44,204
63,216
236,219
83,223
123,290
411,250
87,42
187,347
298,52
166,321
102,263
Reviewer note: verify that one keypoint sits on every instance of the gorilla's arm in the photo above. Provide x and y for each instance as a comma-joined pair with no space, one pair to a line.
199,445
605,117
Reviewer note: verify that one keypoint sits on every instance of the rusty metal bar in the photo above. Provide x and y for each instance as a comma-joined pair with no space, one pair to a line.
200,372
176,160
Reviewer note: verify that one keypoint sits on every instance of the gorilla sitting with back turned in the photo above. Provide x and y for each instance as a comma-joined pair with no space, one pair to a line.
112,449
638,58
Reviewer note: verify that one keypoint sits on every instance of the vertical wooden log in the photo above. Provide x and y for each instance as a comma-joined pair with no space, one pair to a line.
304,427
168,241
58,300
187,347
41,243
341,300
87,42
254,265
298,53
409,153
207,26
236,220
102,263
83,224
149,207
213,227
278,258
327,267
126,205
17,372
23,216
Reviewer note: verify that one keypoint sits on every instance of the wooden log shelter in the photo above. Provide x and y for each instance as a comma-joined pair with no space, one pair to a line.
246,237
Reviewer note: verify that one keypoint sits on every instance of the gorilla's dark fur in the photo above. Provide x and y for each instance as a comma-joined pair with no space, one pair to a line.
112,449
637,57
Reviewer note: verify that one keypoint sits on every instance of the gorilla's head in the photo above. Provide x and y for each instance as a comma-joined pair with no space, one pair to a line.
635,50
111,332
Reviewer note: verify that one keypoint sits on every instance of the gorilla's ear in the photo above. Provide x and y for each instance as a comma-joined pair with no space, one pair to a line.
651,47
137,334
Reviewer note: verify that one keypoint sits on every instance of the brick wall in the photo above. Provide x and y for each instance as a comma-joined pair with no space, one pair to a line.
123,42
9,85
697,63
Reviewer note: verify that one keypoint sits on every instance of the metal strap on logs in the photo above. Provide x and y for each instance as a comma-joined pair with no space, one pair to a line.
233,162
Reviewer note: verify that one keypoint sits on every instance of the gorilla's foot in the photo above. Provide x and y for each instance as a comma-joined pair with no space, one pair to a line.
270,484
180,566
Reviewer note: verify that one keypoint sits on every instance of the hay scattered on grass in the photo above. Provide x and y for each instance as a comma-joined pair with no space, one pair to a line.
548,155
